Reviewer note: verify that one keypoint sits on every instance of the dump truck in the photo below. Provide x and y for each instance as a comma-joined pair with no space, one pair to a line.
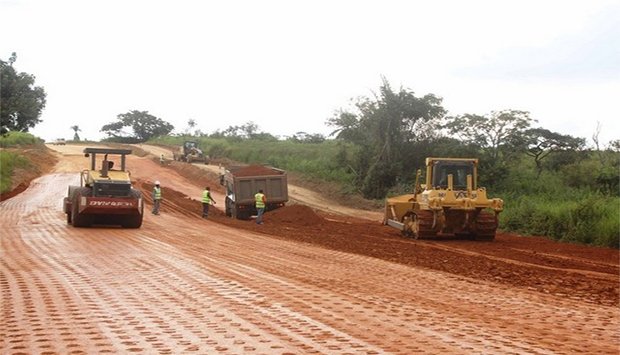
243,182
449,204
190,153
105,194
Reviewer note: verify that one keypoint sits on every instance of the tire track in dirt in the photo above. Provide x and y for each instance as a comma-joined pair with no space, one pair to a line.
185,285
465,310
595,274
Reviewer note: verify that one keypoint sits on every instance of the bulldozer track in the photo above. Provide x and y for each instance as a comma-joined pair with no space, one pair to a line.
426,224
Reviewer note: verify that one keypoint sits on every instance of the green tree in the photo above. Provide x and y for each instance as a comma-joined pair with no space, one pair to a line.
383,127
21,101
248,130
76,136
542,142
143,125
191,123
303,137
499,135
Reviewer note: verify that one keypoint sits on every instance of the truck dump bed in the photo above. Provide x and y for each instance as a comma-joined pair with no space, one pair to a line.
248,180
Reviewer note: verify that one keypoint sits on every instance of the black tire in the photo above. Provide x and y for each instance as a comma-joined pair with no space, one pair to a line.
80,220
233,210
68,218
227,204
244,215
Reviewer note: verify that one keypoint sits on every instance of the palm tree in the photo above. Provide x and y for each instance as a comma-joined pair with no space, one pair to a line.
190,125
76,136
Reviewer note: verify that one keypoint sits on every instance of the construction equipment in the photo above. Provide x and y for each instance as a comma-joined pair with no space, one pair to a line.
105,196
243,182
449,204
190,153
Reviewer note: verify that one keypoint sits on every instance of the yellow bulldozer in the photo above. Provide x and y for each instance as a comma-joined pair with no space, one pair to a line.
449,204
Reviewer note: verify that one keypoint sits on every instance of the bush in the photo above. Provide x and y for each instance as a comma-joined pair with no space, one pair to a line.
8,162
589,219
16,139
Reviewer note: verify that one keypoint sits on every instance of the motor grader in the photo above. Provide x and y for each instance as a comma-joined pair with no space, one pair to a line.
105,195
190,153
449,204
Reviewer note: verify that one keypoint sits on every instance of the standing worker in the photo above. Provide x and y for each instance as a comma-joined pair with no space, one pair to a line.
261,200
156,198
206,201
162,160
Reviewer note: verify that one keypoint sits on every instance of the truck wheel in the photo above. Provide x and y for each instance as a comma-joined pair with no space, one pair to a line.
227,203
233,210
69,218
80,220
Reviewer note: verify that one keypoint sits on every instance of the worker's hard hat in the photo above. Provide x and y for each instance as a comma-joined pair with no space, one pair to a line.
157,182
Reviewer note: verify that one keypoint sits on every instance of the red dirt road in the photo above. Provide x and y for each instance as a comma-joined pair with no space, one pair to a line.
304,282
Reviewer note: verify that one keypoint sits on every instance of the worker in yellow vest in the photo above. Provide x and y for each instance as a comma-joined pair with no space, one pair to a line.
261,200
207,200
156,198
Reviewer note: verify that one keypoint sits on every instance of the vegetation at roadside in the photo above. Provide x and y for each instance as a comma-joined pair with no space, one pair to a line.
552,184
16,139
10,160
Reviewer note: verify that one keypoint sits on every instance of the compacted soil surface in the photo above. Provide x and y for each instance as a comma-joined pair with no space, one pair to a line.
317,277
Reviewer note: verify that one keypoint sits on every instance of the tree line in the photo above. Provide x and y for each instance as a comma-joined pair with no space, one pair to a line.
393,132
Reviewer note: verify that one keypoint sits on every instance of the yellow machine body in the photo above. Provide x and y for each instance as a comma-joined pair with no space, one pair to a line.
449,203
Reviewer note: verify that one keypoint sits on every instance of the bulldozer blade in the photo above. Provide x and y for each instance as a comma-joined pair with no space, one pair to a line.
395,224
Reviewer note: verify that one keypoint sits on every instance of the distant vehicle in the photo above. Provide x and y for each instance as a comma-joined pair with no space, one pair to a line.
190,153
242,183
59,141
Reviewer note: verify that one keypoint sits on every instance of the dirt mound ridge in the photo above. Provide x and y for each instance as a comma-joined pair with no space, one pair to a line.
296,214
252,170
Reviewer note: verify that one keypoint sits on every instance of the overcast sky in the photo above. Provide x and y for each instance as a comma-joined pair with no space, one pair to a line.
289,65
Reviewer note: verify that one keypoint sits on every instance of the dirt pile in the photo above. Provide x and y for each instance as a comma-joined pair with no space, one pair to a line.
252,170
198,176
296,214
174,201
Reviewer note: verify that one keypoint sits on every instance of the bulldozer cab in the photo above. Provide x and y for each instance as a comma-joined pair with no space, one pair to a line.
189,146
459,169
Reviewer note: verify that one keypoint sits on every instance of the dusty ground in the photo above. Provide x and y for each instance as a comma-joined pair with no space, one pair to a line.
306,281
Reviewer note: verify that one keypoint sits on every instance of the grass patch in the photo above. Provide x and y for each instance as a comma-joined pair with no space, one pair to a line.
9,161
591,219
16,139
